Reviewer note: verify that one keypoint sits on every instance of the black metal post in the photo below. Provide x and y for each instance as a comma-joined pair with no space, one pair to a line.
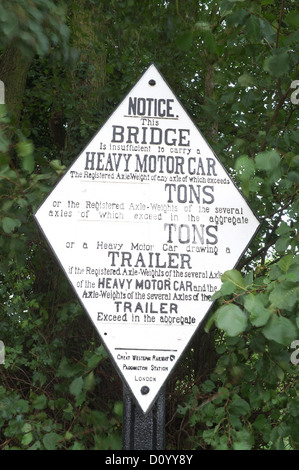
143,432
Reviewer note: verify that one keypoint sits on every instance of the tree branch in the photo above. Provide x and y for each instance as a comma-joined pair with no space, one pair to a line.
261,251
279,23
277,109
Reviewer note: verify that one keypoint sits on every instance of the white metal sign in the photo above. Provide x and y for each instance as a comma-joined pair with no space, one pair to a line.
144,223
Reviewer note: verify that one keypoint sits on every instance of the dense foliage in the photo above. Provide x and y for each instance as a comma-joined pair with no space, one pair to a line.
65,66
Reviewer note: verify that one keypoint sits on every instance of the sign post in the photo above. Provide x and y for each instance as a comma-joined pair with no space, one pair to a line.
143,432
144,223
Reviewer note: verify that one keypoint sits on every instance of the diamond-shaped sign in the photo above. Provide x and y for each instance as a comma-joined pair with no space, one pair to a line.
144,223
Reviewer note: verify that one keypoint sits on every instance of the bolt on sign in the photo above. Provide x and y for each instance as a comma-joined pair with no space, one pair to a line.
144,223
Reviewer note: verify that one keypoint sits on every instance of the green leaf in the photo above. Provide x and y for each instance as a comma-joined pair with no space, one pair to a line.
68,436
76,386
283,229
292,18
24,149
118,409
208,386
293,176
27,439
245,167
231,319
209,42
285,295
89,381
243,440
248,279
99,418
259,315
278,64
203,26
78,446
96,357
235,277
232,281
293,272
27,427
40,402
239,406
267,31
262,424
9,224
28,163
282,244
227,288
237,18
295,136
268,160
51,440
285,263
226,7
4,144
22,406
57,166
66,369
281,330
253,28
246,80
